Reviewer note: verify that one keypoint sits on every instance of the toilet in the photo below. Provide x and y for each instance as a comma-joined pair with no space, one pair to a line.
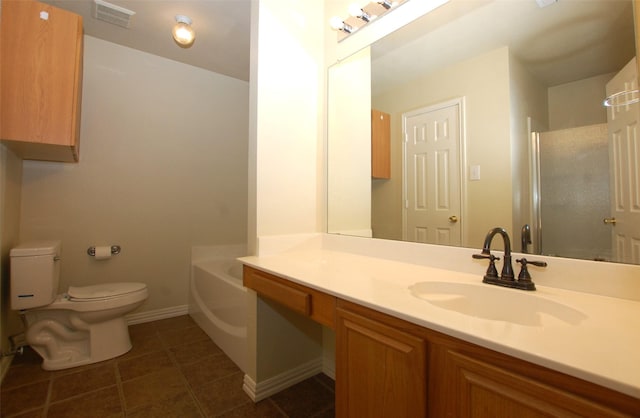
84,325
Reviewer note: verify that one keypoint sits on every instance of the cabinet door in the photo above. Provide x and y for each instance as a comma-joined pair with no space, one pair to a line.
41,74
380,371
480,389
380,145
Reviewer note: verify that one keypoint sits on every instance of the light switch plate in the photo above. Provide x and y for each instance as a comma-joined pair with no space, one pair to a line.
474,172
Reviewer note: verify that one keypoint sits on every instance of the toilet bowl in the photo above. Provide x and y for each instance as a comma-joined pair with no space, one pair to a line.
84,325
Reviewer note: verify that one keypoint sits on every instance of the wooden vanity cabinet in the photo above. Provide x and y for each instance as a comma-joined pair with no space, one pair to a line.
388,367
309,302
41,80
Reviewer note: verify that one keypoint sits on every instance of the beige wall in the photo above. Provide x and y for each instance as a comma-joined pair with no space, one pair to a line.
287,77
349,147
286,191
578,103
162,167
528,100
10,180
483,82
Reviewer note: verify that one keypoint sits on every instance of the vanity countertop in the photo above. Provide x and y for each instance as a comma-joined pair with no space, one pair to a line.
592,337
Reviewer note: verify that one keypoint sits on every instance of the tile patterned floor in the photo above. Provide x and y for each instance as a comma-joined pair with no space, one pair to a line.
173,370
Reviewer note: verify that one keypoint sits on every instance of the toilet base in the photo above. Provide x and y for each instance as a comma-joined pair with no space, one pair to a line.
73,343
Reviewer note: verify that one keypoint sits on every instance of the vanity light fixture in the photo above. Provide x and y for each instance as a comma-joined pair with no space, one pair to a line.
182,32
360,16
337,23
357,11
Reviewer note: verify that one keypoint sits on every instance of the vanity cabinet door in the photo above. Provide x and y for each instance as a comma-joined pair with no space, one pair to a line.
477,383
381,371
41,83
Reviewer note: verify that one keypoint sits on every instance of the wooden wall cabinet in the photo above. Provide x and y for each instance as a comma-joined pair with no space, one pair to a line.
380,145
41,80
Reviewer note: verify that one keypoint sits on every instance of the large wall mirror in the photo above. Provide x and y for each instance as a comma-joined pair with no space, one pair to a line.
495,117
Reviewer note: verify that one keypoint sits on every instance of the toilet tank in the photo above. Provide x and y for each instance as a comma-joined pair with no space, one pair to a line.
35,274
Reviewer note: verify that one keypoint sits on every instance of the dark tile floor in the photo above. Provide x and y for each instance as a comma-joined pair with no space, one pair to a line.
173,370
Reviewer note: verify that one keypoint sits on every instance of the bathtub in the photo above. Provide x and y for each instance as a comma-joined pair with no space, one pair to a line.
218,304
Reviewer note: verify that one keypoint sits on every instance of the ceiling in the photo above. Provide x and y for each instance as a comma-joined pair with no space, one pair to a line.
594,36
222,30
566,41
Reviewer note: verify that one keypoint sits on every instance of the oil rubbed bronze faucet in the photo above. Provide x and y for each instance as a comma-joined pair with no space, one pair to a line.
506,277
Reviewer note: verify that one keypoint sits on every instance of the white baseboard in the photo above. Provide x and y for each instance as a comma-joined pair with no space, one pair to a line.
264,389
155,315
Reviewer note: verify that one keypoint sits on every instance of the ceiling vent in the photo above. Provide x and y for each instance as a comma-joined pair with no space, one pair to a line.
113,14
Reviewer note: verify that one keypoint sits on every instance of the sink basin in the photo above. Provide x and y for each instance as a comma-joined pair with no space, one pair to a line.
496,303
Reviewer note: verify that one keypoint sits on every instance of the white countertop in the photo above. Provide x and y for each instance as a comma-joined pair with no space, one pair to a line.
599,341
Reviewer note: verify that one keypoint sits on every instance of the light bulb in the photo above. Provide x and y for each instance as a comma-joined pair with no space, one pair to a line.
336,23
182,32
356,11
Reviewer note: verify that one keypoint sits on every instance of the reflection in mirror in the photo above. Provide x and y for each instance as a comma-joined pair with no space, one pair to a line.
497,119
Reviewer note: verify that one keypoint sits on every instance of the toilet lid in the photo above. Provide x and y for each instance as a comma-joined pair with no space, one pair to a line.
103,291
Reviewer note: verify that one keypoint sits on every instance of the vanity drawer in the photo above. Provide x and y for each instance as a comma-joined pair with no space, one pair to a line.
309,302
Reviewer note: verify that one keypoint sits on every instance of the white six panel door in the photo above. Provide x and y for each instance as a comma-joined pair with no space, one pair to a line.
432,175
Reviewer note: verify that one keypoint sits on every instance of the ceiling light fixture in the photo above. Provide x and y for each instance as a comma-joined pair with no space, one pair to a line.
182,32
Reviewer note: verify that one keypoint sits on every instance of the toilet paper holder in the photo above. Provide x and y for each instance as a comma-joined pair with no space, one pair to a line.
115,249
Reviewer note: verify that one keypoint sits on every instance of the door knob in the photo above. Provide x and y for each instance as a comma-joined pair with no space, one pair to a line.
611,221
453,219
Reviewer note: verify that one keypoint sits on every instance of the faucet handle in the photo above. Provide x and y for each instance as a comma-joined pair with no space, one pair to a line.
490,257
524,278
491,271
524,262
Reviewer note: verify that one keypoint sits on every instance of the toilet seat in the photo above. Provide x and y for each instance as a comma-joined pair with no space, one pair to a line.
104,291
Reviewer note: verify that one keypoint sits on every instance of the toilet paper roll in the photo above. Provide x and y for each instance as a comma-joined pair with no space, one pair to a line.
103,253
